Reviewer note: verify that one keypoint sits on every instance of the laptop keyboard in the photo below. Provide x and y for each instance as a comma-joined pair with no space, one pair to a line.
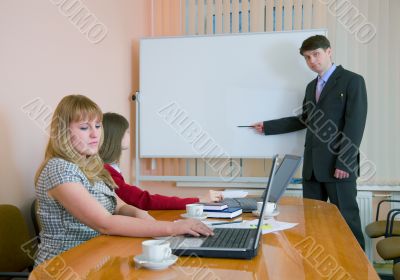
228,238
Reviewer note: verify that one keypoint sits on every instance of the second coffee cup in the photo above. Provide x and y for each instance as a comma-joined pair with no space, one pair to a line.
194,210
270,207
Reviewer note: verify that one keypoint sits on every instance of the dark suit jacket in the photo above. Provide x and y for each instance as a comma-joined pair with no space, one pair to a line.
335,126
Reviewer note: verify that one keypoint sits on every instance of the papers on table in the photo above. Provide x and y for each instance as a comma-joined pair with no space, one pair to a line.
270,225
234,194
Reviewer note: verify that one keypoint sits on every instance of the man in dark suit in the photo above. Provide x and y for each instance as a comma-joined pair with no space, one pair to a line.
334,112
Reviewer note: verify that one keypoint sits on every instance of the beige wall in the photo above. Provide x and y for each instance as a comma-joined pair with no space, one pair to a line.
43,56
167,21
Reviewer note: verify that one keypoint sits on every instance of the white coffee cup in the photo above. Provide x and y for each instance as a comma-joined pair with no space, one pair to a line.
194,210
156,250
270,207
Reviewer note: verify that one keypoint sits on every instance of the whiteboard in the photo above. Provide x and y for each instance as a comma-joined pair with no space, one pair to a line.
195,91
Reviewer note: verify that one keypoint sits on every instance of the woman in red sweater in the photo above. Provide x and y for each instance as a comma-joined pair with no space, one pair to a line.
116,139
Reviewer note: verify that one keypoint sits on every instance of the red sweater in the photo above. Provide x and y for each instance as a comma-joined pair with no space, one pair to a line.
137,197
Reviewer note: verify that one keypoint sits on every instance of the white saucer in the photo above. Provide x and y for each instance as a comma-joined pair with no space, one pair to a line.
155,265
273,214
202,217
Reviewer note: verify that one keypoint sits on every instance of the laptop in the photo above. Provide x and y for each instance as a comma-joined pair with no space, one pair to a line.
284,174
238,243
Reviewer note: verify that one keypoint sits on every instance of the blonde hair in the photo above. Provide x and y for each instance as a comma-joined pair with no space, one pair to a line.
73,108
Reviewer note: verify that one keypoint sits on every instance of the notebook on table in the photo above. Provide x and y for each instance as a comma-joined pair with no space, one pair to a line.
225,213
214,206
284,174
239,243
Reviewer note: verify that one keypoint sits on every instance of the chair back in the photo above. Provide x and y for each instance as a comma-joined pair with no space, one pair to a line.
14,234
396,271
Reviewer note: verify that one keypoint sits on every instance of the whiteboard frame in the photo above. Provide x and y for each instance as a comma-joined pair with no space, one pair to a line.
232,181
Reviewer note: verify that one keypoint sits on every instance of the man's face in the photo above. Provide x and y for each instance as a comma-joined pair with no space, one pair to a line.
318,60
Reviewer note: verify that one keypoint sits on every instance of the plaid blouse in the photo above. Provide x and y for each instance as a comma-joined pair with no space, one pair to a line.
60,230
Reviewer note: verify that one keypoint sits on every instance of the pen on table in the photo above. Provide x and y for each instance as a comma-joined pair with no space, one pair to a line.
226,223
245,126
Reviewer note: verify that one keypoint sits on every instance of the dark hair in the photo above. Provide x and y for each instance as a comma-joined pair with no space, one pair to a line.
315,42
114,127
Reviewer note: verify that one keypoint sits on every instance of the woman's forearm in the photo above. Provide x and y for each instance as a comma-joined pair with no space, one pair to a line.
135,227
131,211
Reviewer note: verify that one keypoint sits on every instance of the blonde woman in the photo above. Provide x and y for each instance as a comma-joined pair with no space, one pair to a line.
76,194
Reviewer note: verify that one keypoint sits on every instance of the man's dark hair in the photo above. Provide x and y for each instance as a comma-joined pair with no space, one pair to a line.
315,42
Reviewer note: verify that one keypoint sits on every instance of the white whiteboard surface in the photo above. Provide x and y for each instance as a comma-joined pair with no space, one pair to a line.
195,91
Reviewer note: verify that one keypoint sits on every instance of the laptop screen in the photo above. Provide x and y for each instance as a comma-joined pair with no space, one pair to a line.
283,175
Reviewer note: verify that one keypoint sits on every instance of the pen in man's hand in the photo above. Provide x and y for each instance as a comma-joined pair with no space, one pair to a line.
245,126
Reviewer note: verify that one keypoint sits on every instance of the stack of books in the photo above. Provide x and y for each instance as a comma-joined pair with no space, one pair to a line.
214,206
220,210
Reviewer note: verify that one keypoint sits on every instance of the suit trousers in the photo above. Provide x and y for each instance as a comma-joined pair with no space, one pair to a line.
343,195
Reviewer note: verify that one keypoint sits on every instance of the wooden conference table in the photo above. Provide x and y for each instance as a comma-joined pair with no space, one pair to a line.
321,246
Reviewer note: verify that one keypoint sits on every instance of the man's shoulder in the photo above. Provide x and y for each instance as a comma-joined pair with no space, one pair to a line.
347,73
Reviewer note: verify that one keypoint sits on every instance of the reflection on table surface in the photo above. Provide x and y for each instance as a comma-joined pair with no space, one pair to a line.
320,247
